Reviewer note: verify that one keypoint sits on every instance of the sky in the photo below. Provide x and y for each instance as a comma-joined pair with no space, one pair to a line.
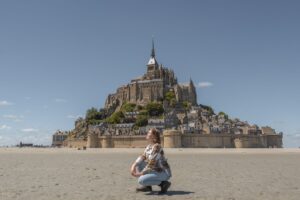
60,57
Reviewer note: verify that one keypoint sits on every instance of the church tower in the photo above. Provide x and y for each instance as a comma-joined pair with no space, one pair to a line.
152,65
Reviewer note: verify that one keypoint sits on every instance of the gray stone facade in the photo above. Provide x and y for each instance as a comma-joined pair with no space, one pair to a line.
152,86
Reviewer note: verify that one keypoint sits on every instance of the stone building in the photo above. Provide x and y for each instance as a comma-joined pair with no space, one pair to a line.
171,119
59,137
185,123
152,86
156,123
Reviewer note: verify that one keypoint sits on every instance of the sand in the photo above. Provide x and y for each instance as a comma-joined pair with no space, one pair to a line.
71,174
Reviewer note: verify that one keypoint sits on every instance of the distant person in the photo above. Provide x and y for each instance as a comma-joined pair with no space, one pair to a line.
152,167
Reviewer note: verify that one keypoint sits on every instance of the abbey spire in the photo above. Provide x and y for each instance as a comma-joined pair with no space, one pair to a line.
153,50
152,64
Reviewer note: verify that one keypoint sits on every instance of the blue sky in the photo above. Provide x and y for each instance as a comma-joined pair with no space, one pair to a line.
59,58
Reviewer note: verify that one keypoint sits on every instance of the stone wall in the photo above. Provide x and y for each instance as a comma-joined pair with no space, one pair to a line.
75,143
258,141
274,141
207,141
123,141
250,142
175,139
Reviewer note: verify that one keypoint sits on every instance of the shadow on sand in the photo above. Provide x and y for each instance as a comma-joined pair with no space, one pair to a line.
171,193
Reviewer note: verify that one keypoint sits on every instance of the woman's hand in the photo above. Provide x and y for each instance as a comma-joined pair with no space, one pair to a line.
134,172
133,169
138,174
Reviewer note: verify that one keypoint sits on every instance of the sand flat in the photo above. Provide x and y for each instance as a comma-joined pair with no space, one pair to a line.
30,173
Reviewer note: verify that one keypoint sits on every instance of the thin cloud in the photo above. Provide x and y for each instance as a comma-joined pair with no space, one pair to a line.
45,106
5,127
15,118
204,84
5,103
296,134
73,116
293,135
29,130
58,100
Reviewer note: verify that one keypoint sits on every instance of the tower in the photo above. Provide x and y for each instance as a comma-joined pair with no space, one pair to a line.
192,93
152,65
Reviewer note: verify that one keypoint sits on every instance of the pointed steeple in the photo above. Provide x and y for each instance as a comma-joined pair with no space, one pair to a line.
153,49
152,61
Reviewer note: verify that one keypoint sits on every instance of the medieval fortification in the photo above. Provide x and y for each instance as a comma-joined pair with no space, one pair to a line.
157,100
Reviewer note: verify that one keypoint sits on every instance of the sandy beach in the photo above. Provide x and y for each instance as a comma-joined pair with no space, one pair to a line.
69,174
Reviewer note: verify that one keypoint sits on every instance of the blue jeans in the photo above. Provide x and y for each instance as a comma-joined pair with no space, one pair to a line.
152,178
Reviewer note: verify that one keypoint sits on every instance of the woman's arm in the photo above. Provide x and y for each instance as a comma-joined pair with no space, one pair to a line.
153,158
140,159
133,169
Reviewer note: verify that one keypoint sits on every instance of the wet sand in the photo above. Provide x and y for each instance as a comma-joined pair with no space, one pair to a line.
70,174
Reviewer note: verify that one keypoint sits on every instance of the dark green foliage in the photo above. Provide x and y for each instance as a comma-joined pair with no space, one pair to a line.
93,116
139,107
154,109
142,120
128,107
143,112
186,105
224,114
208,108
115,118
169,96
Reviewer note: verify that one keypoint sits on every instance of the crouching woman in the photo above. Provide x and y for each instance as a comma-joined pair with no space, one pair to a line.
152,167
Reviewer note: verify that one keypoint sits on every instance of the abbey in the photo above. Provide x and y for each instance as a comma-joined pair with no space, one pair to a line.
152,86
157,100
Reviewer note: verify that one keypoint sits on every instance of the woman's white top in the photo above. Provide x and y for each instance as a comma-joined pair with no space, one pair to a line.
155,159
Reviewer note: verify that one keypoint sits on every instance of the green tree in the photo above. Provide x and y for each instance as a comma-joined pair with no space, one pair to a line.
143,112
208,108
139,107
128,107
93,116
169,96
155,108
142,120
186,105
115,118
224,114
